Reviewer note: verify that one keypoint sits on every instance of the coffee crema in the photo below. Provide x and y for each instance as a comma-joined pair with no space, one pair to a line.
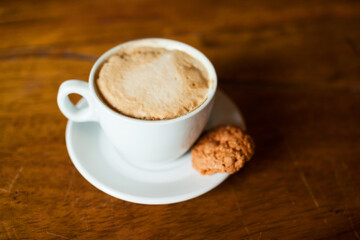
153,83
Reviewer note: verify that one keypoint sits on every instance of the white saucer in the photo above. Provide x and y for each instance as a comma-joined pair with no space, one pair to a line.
100,163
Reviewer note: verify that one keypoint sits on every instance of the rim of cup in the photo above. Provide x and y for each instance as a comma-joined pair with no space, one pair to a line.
161,43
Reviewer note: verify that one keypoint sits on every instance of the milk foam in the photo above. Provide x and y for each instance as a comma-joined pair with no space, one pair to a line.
153,83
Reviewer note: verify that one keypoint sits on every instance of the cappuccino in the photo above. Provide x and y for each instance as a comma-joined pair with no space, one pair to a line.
153,83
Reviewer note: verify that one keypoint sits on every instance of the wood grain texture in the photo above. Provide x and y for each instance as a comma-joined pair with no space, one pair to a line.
292,67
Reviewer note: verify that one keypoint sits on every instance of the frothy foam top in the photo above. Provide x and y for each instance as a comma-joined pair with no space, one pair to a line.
153,83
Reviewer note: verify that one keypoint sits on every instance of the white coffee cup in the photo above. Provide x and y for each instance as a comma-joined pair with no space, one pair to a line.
142,142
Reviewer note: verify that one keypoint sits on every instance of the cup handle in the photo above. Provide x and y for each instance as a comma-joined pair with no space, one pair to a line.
72,112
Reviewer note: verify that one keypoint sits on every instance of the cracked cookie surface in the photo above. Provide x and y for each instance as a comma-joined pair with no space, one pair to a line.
222,149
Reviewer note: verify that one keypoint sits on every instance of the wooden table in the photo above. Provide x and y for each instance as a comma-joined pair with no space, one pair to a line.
292,67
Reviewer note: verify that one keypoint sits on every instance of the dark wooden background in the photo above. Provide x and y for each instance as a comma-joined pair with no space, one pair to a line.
292,67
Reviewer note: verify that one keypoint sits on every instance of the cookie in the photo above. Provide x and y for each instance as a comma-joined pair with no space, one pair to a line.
222,149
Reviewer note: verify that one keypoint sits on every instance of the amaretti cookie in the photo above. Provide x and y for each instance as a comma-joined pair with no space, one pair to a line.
222,149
